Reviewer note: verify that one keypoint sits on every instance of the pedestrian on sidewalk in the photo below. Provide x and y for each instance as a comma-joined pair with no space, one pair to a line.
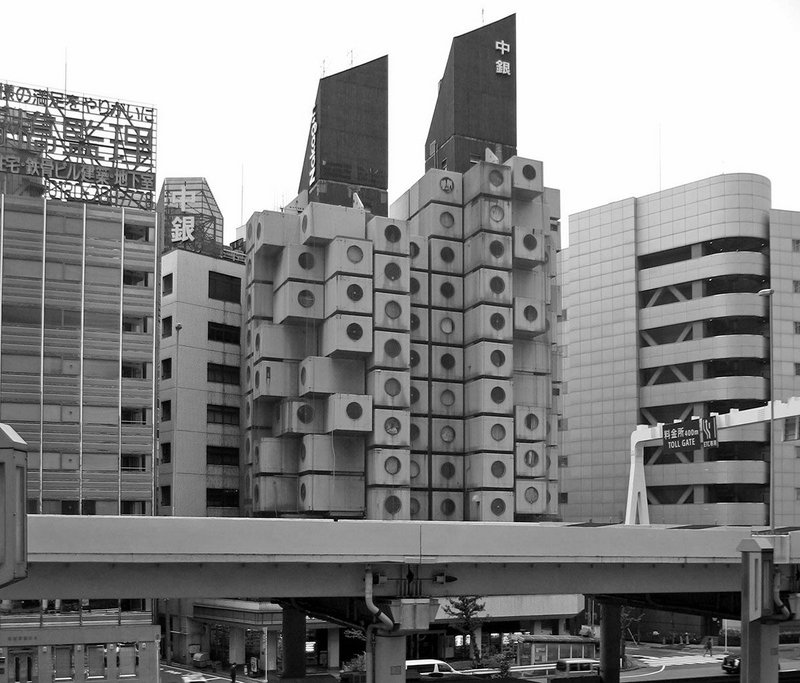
233,673
708,651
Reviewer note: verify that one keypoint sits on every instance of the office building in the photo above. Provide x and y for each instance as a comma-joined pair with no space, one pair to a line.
667,309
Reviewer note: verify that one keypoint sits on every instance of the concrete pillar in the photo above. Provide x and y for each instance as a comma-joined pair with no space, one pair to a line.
294,643
478,647
386,657
333,648
236,646
610,638
271,639
759,639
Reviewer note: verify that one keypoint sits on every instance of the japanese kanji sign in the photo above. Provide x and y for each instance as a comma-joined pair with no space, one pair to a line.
82,148
502,66
689,435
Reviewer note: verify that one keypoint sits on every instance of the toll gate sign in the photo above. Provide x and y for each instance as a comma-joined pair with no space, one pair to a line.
689,435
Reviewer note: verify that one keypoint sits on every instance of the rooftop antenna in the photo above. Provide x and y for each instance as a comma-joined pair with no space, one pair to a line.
241,205
351,57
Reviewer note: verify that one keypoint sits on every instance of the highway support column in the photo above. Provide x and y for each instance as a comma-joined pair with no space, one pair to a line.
760,624
294,643
610,638
13,520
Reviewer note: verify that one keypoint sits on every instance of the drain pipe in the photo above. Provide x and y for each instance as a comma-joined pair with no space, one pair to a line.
385,623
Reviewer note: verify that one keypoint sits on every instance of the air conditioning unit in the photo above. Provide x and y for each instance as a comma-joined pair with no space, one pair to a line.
418,360
447,291
531,459
388,235
347,335
391,350
531,422
527,178
322,375
274,494
487,179
488,323
487,214
297,262
271,340
489,397
447,435
388,467
348,294
532,356
438,220
388,503
392,311
488,359
418,469
418,397
489,470
389,388
447,363
320,223
489,433
298,416
447,506
490,506
447,327
435,186
342,493
270,231
347,256
390,428
274,379
447,399
530,319
348,413
276,456
530,247
323,453
487,250
446,256
419,287
447,471
391,273
530,496
298,302
487,286
418,323
418,251
418,504
259,300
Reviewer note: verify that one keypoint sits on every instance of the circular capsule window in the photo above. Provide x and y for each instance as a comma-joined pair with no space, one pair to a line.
392,464
413,469
448,434
497,284
413,249
528,172
498,395
531,495
302,491
447,325
498,432
448,470
498,506
392,426
448,361
354,410
530,313
355,331
497,357
413,506
355,254
392,505
414,285
305,298
495,177
497,213
497,248
305,413
498,468
447,289
447,220
414,436
392,233
414,395
392,271
392,386
393,309
414,356
531,421
447,254
355,292
306,260
529,242
414,321
497,321
392,348
448,398
448,507
531,458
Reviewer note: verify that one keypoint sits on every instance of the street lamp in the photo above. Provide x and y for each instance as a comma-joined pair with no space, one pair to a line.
769,294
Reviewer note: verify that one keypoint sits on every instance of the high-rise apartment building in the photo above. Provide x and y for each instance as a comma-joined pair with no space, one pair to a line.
666,318
78,311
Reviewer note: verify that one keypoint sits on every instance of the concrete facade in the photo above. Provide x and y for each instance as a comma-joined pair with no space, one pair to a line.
663,321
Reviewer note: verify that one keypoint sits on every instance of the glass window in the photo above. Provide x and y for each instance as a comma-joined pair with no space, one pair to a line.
136,278
63,662
136,462
166,326
166,284
227,334
216,414
166,452
166,495
795,245
166,368
133,507
137,233
222,455
95,661
166,411
223,374
224,287
222,498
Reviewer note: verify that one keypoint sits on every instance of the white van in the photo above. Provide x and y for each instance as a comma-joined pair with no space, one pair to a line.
577,667
430,667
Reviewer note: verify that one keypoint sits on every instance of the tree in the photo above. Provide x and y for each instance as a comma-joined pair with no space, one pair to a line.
629,617
465,610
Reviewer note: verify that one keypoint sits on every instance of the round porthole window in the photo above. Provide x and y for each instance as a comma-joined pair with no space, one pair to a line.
448,470
448,361
355,292
528,172
393,309
414,395
529,242
531,458
258,342
392,386
257,378
447,254
496,248
306,298
498,432
392,271
448,507
448,434
446,219
531,421
354,410
392,348
447,289
447,325
413,469
303,375
413,506
414,321
498,395
497,321
355,331
392,233
392,465
448,398
413,249
392,426
497,284
414,285
495,177
414,436
497,213
305,413
497,357
530,313
414,358
306,260
498,468
355,254
302,491
531,494
498,506
392,505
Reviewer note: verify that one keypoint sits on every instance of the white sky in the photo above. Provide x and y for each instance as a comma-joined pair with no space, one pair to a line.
599,83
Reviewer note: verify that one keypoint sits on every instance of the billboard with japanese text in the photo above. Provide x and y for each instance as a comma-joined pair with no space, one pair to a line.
689,435
80,148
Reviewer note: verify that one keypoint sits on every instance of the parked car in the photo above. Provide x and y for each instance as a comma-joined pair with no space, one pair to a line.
201,660
193,678
731,664
430,667
577,666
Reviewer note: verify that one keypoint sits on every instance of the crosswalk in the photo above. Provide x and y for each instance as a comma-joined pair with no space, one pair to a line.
676,660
